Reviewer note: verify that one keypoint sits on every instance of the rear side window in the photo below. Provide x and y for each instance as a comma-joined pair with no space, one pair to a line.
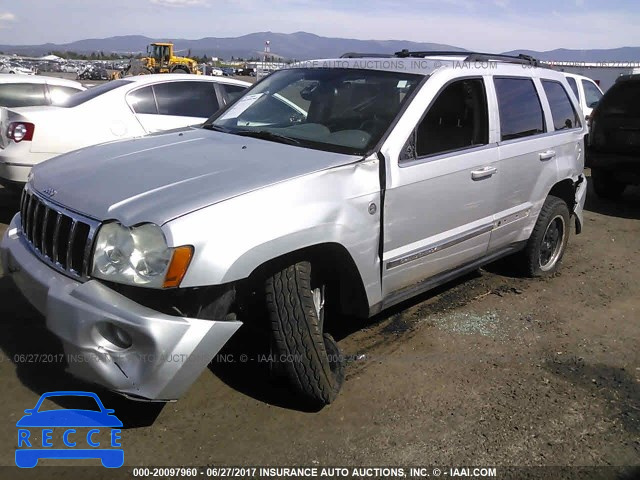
562,111
574,86
59,94
143,101
22,95
93,92
519,106
457,119
592,93
233,91
186,99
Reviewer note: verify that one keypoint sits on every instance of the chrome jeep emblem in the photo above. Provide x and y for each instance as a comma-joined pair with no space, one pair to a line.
49,191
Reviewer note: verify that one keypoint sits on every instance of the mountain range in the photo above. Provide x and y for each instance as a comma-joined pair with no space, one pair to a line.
298,46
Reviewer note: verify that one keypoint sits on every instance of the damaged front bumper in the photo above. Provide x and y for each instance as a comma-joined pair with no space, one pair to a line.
108,338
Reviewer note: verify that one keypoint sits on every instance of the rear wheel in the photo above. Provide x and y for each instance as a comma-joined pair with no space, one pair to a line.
309,357
605,185
180,70
549,238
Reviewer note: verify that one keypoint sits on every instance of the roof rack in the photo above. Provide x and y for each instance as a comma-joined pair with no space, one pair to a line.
472,56
366,55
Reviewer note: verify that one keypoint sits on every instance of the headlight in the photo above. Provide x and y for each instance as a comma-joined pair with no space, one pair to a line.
138,256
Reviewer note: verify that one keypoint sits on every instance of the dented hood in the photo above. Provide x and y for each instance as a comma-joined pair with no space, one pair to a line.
160,177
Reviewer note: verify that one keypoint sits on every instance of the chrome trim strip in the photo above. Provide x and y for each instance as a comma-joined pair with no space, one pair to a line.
423,252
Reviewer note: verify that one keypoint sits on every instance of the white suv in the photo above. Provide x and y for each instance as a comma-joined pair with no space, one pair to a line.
332,189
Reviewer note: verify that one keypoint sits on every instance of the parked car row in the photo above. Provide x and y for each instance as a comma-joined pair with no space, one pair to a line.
13,67
317,196
116,110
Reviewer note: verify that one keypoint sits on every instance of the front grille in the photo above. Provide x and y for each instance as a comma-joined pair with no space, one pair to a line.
58,236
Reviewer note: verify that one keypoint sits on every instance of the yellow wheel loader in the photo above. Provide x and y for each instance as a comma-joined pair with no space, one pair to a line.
160,59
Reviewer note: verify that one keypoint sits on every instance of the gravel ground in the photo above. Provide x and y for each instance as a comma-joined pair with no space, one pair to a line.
492,370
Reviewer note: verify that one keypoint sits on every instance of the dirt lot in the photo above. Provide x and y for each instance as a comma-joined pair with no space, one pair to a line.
492,370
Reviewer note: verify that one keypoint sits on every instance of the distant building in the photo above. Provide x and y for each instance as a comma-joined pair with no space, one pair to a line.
604,73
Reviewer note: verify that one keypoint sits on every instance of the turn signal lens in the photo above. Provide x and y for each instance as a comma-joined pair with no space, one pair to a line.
178,266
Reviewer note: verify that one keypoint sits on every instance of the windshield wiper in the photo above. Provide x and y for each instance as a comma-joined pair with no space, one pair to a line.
211,126
267,135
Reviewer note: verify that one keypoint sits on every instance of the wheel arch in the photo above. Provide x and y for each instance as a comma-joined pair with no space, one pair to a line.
566,190
334,260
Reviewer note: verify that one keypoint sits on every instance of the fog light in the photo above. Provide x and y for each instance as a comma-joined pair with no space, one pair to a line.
114,334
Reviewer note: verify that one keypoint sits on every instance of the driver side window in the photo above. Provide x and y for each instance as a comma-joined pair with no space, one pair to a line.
457,119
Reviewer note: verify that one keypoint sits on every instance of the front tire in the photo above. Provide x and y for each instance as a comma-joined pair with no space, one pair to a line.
605,185
309,357
548,241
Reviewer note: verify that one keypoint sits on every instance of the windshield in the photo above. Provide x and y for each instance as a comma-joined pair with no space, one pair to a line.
340,110
93,92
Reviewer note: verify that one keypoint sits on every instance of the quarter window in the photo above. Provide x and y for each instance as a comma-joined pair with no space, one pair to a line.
186,99
519,106
143,101
562,111
457,119
60,93
22,95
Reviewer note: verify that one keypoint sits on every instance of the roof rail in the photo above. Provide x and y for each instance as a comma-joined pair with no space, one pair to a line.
472,56
366,55
431,53
521,58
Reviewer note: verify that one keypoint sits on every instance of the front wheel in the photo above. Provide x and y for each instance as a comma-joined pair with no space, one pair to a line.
549,238
309,357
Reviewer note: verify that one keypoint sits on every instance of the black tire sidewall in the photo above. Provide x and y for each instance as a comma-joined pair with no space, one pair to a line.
317,371
552,207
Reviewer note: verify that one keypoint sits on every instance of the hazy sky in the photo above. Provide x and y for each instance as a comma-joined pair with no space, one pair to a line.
497,25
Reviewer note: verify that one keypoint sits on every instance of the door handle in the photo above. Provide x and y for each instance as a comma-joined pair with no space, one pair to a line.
548,155
483,173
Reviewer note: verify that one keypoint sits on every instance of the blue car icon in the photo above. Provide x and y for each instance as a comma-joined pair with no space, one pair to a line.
27,455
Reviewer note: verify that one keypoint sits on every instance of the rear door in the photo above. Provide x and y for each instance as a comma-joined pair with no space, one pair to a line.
539,142
524,151
168,105
441,198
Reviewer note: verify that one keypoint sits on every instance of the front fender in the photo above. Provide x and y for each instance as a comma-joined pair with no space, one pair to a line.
233,238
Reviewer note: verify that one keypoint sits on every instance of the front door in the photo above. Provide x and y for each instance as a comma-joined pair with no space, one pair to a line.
440,201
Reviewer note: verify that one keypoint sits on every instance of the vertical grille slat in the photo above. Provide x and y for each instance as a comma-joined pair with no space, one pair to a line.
28,222
43,233
57,235
72,237
35,223
24,201
86,259
79,246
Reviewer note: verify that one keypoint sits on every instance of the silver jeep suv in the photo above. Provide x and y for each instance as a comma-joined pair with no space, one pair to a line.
335,188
